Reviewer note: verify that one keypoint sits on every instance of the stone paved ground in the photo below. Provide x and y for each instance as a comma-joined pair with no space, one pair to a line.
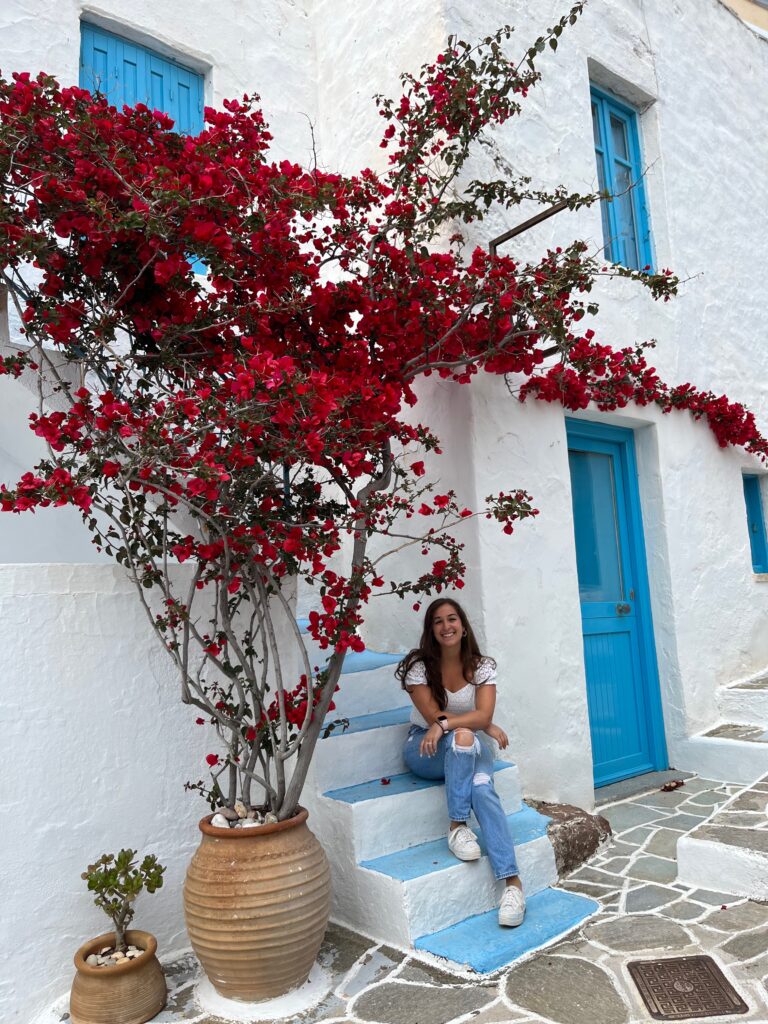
581,979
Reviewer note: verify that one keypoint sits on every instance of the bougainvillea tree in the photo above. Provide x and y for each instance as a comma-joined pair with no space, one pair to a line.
225,435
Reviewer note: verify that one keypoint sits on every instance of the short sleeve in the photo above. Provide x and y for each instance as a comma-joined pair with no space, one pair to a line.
485,673
416,675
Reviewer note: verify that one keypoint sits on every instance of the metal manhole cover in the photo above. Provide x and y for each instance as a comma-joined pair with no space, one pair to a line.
684,987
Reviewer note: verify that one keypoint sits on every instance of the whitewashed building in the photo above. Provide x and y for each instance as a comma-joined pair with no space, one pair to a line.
629,619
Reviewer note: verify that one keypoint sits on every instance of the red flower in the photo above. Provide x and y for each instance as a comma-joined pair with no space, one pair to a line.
212,759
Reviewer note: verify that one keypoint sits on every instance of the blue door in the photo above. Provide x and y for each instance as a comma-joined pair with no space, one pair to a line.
619,655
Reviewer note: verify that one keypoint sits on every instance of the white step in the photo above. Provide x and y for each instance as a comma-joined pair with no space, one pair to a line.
366,691
709,863
371,746
745,703
393,812
715,757
729,852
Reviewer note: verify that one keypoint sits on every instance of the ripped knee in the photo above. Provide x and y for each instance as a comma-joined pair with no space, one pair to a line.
481,779
464,739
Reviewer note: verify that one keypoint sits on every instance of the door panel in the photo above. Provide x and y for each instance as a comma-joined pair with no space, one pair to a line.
617,651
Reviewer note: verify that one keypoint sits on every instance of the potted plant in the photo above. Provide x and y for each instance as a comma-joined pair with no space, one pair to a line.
227,438
118,979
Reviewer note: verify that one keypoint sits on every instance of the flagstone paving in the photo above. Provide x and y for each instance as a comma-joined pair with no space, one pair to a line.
580,979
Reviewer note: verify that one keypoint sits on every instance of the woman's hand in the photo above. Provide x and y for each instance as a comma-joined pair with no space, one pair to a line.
499,735
432,737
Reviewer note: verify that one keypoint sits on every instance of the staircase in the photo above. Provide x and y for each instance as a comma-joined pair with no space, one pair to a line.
737,748
384,832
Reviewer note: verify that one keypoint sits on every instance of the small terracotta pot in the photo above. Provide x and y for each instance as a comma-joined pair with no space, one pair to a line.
130,992
257,902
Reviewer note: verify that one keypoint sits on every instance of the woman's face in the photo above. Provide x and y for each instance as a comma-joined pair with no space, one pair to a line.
447,627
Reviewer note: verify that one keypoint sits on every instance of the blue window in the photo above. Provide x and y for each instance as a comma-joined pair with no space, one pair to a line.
756,523
626,233
127,73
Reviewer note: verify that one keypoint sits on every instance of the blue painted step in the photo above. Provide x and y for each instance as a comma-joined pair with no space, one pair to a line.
404,783
377,720
425,858
482,945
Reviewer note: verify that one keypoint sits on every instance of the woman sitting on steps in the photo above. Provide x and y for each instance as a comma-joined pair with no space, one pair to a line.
453,689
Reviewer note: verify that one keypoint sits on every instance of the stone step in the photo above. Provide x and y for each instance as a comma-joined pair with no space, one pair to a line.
371,745
391,813
730,751
479,944
434,890
745,703
730,850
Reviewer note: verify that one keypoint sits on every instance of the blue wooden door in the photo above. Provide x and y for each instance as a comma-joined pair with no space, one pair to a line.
619,655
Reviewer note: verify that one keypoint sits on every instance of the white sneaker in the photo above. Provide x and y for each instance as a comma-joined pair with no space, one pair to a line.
462,842
512,907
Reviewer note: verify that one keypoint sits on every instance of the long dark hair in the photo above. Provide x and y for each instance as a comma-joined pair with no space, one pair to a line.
428,652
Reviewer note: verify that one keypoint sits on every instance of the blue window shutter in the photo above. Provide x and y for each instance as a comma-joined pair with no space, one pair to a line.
758,542
626,231
127,73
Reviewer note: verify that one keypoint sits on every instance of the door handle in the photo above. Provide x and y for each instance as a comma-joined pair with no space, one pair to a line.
623,609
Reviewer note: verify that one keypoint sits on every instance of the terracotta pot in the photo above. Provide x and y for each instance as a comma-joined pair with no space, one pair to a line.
130,992
257,902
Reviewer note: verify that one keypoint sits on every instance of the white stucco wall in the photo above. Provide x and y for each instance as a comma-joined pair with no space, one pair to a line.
96,748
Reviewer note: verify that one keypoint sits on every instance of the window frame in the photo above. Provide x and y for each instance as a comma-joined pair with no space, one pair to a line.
613,246
755,506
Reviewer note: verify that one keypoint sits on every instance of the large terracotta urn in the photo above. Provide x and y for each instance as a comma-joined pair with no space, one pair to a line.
130,992
257,902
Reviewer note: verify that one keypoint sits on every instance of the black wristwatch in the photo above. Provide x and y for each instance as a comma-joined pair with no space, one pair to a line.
442,721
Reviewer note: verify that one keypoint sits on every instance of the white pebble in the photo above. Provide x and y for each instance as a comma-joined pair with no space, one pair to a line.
219,821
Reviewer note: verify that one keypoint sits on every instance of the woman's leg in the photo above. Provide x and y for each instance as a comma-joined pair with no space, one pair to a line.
420,764
461,751
491,817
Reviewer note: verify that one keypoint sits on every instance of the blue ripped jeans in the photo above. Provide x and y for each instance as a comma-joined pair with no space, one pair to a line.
468,774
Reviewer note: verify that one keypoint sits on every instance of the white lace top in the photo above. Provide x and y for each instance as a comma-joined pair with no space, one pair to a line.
460,702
